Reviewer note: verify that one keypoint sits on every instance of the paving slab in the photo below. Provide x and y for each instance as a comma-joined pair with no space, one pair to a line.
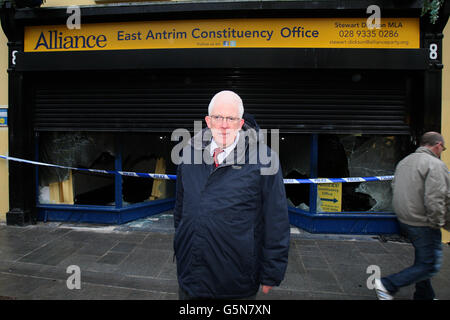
135,262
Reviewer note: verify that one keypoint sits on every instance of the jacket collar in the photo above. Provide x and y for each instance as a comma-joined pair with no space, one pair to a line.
427,151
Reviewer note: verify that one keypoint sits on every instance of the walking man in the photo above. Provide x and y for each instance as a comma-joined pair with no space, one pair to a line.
421,202
231,222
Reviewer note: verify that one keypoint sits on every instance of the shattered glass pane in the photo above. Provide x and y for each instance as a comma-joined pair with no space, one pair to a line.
295,164
344,156
147,153
80,150
143,153
370,156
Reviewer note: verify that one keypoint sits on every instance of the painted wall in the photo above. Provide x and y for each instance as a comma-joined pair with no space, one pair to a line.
445,125
65,3
4,198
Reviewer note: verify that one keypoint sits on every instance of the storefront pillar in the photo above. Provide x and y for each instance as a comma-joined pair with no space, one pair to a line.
21,176
433,84
314,156
118,178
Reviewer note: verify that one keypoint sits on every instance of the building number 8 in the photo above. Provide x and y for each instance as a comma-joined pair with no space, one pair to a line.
433,51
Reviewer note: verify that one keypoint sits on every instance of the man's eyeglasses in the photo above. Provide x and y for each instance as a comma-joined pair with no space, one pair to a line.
442,145
220,119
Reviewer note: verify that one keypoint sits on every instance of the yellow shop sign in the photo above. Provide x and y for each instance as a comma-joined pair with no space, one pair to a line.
395,33
329,196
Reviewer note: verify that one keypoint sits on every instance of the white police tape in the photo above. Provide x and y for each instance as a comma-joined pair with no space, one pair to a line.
123,173
174,177
338,180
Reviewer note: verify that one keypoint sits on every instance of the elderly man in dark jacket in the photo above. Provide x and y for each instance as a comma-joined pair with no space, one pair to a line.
231,220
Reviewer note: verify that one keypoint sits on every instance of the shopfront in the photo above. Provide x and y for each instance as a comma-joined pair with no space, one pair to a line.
344,100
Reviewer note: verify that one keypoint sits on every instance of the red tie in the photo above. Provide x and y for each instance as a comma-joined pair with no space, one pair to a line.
216,153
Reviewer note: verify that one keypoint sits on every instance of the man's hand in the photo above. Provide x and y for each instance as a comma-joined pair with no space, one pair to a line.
266,289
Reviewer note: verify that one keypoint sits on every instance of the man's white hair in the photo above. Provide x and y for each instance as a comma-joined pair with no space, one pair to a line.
233,97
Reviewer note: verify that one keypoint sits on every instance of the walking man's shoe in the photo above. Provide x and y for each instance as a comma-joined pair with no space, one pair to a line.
381,291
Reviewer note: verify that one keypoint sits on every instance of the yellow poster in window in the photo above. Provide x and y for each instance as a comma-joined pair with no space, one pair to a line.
329,196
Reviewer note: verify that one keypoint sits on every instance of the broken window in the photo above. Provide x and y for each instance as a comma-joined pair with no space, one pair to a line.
79,150
147,153
370,156
295,163
142,153
342,156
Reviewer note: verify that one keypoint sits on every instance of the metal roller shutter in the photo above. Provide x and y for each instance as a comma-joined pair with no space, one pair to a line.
295,101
